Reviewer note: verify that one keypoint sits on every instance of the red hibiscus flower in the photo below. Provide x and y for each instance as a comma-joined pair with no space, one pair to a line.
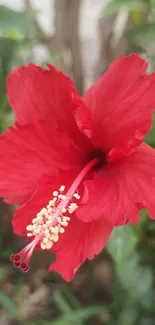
77,167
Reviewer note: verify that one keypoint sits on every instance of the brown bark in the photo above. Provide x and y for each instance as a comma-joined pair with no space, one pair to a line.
74,43
110,48
107,53
67,41
6,233
60,37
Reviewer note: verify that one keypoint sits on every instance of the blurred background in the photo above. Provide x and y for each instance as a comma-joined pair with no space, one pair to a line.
81,37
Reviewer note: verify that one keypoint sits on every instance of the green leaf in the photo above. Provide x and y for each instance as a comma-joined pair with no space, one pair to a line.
116,5
52,59
78,315
8,304
70,297
134,278
7,50
62,303
150,138
122,243
13,20
7,53
142,35
2,274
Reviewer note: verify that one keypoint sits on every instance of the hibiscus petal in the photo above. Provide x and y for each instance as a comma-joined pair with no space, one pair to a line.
35,93
29,151
121,105
121,189
80,241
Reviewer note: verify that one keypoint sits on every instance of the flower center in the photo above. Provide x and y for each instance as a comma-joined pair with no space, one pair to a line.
52,220
100,155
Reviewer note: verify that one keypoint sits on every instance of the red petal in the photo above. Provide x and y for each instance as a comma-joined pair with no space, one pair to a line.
74,247
121,105
35,93
29,151
120,190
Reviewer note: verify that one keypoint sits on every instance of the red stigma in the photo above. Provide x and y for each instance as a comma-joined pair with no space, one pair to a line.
21,260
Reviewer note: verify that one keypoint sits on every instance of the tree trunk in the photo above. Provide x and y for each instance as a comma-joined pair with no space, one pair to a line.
67,41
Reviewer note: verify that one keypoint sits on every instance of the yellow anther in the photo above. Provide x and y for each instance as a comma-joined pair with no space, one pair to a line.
56,230
43,210
29,227
43,246
39,216
29,234
62,188
37,231
64,218
72,207
45,240
34,220
49,245
77,196
62,197
55,193
55,238
51,203
62,230
59,219
52,229
64,222
46,232
35,226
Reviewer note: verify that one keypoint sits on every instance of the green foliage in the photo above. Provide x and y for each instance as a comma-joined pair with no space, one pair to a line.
75,317
150,137
143,34
13,26
133,281
7,53
140,29
52,59
11,20
8,304
115,5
